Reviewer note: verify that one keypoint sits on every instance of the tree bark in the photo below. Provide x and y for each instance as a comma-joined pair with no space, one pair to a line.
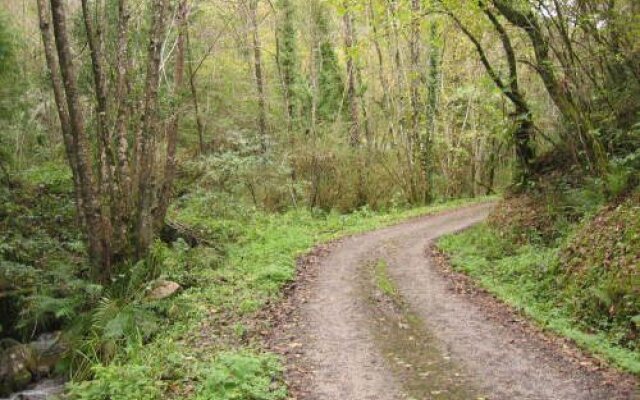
166,192
51,58
94,39
257,60
429,132
415,82
97,239
150,127
122,94
355,135
386,102
194,97
416,77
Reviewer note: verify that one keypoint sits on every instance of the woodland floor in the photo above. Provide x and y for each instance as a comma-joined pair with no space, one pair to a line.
380,316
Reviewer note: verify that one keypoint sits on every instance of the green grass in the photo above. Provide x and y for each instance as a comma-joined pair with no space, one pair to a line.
204,349
530,279
383,282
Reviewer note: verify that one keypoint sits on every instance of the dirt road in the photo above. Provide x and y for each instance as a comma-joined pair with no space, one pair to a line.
374,318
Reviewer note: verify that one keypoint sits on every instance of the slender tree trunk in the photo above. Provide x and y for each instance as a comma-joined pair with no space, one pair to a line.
287,59
94,39
150,127
314,66
122,94
107,185
257,59
97,239
368,134
415,82
166,192
194,96
433,89
416,71
400,87
563,99
386,103
524,130
59,95
355,134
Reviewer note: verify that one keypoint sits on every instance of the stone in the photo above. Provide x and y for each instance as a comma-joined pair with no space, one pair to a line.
49,349
16,366
163,289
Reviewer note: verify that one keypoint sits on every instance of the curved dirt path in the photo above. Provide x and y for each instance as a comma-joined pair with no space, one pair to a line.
345,341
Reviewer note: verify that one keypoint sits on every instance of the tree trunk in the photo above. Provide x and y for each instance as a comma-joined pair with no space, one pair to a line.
59,95
150,127
172,133
95,223
352,95
122,93
386,103
287,59
257,59
415,82
563,99
433,89
94,39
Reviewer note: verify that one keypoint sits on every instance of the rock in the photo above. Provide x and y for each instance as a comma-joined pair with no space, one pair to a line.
16,366
21,378
163,289
21,364
49,349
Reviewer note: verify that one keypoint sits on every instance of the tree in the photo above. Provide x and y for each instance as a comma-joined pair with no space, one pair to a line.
522,116
330,83
288,61
524,18
257,70
119,201
355,134
433,89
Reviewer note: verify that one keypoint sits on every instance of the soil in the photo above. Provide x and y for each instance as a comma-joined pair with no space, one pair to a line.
436,336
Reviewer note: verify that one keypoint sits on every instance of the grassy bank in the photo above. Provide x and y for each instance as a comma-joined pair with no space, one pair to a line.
535,279
204,347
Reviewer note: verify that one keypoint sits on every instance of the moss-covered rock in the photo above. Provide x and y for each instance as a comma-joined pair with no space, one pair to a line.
16,364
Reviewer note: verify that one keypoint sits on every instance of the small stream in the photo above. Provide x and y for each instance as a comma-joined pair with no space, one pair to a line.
43,390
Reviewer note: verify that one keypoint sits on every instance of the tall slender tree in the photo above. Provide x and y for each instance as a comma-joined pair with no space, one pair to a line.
288,60
330,83
431,110
355,134
510,87
258,72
